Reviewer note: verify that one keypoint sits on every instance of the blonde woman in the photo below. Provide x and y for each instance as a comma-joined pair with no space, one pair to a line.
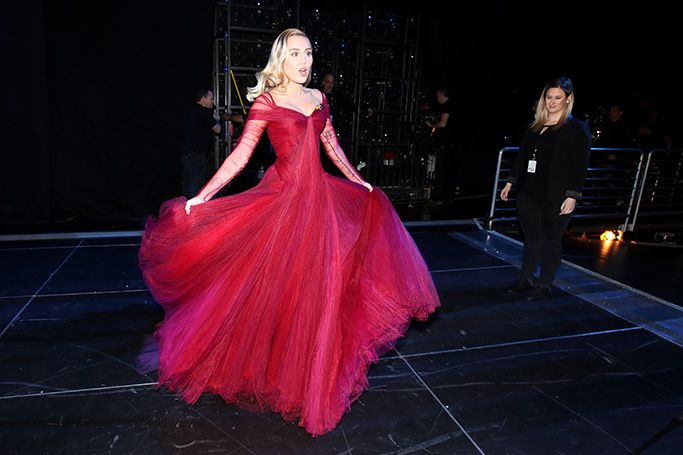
548,175
279,298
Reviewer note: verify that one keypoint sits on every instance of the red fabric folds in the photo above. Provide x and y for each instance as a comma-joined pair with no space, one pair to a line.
279,298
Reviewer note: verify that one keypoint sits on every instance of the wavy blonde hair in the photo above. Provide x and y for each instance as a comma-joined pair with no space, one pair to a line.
541,117
273,74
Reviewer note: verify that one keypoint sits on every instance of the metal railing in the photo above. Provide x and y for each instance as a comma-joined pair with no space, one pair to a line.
624,184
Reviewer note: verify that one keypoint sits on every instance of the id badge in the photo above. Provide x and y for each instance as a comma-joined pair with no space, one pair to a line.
531,168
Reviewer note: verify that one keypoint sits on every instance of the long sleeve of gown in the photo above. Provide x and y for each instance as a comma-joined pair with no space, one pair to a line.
336,154
235,162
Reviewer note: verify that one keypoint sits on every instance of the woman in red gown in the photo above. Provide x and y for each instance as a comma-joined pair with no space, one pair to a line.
279,298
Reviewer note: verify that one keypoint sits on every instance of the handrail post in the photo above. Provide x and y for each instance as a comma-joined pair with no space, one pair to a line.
642,190
494,196
634,190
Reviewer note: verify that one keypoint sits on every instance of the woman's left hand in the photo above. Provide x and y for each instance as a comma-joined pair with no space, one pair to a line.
568,206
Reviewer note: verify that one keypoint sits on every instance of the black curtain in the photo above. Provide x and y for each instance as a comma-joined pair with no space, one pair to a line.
92,99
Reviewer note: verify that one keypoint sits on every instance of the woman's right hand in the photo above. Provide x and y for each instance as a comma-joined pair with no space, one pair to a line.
191,203
506,190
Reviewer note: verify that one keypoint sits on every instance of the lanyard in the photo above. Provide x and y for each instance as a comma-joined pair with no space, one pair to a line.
531,165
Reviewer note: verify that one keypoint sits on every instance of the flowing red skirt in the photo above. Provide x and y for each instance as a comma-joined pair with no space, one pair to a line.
280,298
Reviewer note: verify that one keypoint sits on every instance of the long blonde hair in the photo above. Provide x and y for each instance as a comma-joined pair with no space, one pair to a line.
273,74
541,117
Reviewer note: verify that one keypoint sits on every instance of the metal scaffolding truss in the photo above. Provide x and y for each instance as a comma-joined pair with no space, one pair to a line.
389,138
373,54
243,35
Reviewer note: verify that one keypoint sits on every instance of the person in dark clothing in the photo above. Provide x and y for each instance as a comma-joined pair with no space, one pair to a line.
341,109
442,137
548,174
328,88
653,131
341,105
616,133
199,126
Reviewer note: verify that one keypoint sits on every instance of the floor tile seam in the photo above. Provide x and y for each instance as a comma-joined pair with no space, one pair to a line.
66,247
516,343
54,272
438,400
79,391
75,294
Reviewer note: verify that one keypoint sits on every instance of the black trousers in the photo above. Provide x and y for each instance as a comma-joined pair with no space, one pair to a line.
543,227
194,173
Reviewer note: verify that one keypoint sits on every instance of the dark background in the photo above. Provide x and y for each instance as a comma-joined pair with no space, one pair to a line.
91,92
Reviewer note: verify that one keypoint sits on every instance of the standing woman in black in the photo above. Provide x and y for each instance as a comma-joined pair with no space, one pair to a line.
548,175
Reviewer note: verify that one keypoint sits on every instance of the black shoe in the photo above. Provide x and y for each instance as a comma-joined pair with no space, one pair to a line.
521,285
540,291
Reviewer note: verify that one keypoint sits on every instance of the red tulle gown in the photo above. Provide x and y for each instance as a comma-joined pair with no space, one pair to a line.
279,298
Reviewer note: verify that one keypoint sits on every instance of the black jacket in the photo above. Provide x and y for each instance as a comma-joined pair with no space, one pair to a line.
570,161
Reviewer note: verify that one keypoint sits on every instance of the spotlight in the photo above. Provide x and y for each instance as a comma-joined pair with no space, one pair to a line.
611,235
608,235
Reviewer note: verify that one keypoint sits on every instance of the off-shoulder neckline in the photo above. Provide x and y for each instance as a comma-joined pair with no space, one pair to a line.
317,107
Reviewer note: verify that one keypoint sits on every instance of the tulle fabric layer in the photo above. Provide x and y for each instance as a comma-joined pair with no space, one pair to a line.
281,297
